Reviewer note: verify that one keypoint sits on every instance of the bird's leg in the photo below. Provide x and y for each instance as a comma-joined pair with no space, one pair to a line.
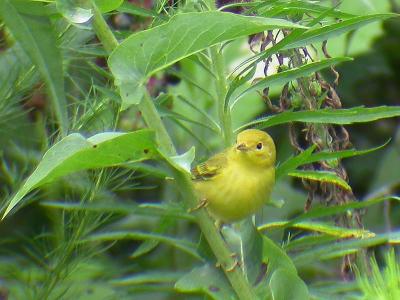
202,203
235,264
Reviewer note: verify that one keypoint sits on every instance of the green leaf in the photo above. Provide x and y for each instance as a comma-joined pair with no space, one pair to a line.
149,51
284,77
321,176
301,37
108,5
321,228
148,277
184,161
78,11
143,209
387,177
132,9
208,280
308,241
76,153
320,34
286,285
299,7
335,249
246,242
307,157
185,246
294,162
75,11
328,116
324,211
163,225
275,257
31,27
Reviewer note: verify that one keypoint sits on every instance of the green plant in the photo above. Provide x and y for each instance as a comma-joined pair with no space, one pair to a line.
381,284
97,118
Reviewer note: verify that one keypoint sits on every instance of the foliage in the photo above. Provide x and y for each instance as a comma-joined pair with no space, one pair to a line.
383,284
105,105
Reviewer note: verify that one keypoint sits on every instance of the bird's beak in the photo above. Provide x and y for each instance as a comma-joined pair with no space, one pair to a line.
242,147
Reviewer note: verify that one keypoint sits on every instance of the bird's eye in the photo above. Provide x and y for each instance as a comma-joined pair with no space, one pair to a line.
259,146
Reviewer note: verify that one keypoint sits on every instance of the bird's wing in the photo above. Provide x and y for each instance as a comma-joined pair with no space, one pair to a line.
211,167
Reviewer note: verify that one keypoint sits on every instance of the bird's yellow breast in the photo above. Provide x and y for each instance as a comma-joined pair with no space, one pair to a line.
237,192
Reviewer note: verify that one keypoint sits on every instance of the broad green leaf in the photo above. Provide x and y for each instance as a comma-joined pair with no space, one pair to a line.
208,280
184,160
181,244
246,242
275,257
76,153
149,51
148,277
108,5
31,27
321,228
146,209
321,176
75,11
328,116
286,285
327,32
284,77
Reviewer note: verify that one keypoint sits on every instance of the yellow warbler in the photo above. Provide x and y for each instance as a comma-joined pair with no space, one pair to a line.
237,182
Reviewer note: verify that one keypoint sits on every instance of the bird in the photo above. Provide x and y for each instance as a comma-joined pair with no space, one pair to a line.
237,182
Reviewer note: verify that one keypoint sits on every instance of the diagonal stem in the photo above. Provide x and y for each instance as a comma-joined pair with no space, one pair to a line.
220,249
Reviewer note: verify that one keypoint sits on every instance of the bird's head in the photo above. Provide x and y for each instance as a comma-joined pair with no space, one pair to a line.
256,147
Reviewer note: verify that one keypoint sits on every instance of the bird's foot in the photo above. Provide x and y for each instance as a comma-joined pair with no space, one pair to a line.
235,264
203,203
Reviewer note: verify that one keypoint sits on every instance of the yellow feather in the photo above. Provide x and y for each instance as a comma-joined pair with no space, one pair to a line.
237,182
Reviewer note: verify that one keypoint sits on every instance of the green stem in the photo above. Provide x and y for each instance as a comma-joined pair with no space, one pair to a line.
149,112
153,120
102,30
223,254
218,63
224,114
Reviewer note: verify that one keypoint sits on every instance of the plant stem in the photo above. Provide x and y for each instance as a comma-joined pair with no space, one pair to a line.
224,256
102,30
221,251
153,120
224,114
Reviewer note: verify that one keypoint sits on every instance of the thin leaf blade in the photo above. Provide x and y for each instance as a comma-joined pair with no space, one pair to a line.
328,116
32,28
